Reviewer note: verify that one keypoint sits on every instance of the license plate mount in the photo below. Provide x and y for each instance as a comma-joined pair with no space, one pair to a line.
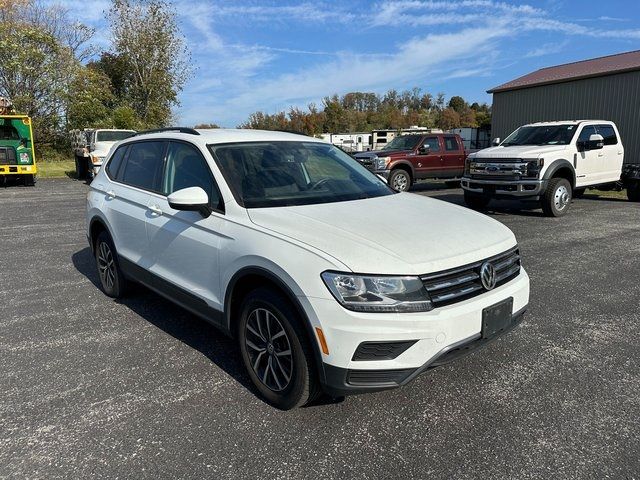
497,317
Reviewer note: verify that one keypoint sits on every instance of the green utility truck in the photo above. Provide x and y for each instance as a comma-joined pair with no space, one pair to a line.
17,156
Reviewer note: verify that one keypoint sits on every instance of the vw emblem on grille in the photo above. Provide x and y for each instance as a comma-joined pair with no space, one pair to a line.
488,276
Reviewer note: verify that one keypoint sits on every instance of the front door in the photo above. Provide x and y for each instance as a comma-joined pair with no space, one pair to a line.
184,247
588,161
428,159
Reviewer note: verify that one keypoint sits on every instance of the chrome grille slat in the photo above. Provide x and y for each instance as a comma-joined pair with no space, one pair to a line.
460,283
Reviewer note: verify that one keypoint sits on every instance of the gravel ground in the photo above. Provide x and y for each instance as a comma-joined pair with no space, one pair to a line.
141,388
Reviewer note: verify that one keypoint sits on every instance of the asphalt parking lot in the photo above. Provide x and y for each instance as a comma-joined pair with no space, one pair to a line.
143,389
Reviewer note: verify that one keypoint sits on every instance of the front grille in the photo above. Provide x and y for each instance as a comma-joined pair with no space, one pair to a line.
381,350
378,377
457,284
367,163
502,178
8,156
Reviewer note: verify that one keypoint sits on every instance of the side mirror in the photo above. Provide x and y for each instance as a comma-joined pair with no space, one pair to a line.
424,149
496,142
596,141
192,199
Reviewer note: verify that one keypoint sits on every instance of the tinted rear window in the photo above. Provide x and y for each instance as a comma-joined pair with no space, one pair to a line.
116,160
143,168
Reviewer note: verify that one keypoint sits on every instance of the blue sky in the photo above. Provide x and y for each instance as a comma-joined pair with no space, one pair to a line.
267,55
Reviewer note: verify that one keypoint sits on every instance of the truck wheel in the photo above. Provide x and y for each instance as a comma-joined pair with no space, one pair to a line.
556,198
476,201
275,350
633,192
400,180
29,180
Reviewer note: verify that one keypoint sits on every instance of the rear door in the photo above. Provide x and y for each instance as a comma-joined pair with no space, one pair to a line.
184,247
453,156
136,179
427,165
612,154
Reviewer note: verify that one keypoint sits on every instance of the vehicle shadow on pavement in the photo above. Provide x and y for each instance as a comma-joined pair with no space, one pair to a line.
180,324
174,320
497,207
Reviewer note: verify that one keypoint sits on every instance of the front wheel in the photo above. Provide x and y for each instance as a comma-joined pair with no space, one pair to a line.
276,351
476,201
400,180
556,198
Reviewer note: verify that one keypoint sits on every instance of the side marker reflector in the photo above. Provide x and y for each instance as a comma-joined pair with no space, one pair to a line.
322,341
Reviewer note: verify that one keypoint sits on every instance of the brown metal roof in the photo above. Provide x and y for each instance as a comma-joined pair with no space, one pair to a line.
596,67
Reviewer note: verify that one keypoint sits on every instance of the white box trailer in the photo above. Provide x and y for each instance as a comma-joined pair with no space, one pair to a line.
352,142
379,138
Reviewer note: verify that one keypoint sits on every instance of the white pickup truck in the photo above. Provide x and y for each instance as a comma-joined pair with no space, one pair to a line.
551,162
90,147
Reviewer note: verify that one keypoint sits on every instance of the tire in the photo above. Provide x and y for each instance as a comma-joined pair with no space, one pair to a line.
29,180
400,180
269,327
633,192
112,280
557,197
578,192
476,201
452,183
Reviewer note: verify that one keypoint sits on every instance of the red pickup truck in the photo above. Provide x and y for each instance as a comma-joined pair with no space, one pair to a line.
412,157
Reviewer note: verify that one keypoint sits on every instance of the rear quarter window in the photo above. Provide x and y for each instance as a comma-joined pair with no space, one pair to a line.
451,144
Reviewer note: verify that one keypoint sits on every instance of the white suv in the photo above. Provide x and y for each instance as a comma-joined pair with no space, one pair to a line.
328,279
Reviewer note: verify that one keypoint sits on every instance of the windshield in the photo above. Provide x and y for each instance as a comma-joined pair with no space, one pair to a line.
8,132
405,142
541,135
112,136
276,174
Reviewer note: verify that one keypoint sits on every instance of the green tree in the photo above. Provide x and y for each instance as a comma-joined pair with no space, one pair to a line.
148,41
90,99
458,104
448,119
207,126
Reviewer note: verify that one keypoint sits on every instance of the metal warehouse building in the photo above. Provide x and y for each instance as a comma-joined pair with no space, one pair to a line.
605,88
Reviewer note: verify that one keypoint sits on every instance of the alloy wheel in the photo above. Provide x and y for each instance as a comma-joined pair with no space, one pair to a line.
106,266
561,198
400,182
269,349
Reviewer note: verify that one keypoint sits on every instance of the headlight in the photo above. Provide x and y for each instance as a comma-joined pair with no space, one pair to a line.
382,162
97,159
534,165
363,293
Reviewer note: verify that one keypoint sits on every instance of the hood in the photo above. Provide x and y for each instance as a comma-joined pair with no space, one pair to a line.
523,151
402,233
382,153
102,148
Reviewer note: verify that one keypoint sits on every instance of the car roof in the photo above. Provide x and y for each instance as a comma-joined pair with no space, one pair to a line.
569,122
227,135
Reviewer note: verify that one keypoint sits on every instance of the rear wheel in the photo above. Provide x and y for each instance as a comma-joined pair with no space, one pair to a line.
276,351
112,279
556,198
633,192
476,201
400,180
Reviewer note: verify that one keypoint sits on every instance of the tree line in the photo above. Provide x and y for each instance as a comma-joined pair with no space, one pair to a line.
51,71
365,111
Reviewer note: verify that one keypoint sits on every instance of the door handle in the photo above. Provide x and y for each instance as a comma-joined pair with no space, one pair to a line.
601,154
111,194
155,210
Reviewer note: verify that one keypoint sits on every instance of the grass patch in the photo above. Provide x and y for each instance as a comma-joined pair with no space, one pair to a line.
59,169
606,194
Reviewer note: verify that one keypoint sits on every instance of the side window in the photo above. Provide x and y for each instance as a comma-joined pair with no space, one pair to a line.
586,133
608,133
432,143
451,144
116,160
186,167
143,168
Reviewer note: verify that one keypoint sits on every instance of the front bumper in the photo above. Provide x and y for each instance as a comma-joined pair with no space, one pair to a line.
18,170
436,337
505,188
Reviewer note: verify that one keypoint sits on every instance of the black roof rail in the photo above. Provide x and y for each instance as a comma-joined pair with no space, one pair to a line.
188,130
